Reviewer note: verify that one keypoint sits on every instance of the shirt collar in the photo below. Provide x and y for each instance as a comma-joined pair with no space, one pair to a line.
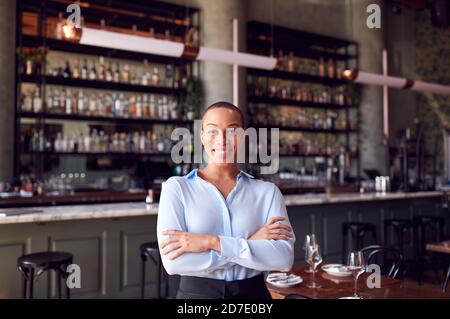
193,174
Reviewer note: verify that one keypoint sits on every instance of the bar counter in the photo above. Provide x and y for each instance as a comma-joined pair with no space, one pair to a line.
118,210
105,238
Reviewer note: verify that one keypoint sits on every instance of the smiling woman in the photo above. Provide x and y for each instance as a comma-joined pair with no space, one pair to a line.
218,227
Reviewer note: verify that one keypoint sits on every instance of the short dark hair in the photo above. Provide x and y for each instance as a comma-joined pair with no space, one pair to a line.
225,105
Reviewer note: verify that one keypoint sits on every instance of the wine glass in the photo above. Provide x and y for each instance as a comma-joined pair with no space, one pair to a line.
310,240
356,265
314,259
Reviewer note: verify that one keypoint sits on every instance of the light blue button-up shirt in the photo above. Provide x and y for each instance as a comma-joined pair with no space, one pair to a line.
192,204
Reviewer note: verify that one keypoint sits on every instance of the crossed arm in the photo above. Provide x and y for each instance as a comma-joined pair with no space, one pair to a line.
182,252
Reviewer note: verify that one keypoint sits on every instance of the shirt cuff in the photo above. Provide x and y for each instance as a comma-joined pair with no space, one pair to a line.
230,247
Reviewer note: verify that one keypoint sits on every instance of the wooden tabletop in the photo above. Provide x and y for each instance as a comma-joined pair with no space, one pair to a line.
337,287
441,247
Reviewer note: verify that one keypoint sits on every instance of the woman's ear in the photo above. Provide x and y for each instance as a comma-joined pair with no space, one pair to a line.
201,136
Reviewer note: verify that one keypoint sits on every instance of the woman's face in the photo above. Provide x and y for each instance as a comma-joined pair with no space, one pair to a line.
216,123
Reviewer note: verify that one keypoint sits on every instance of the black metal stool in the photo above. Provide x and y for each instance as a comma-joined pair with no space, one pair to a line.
151,251
426,229
358,233
400,227
33,265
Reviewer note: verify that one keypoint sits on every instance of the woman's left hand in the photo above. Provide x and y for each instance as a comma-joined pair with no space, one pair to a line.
185,242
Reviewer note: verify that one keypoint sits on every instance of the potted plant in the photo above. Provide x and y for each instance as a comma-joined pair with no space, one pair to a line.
194,97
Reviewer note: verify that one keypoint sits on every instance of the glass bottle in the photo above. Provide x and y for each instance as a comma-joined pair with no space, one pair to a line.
169,75
155,76
126,74
76,73
84,70
291,62
330,68
67,72
92,72
116,76
321,67
27,105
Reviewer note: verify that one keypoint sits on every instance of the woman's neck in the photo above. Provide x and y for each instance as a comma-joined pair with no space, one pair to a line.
219,172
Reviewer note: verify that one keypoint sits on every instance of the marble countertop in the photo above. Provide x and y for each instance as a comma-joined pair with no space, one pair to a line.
117,210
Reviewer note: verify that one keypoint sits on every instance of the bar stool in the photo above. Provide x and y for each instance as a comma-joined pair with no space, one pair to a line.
150,251
426,228
31,266
400,227
358,232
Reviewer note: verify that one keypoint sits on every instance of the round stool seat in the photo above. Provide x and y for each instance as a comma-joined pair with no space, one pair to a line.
48,259
149,247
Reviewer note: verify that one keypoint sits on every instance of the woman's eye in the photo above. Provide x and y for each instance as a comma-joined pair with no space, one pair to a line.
212,132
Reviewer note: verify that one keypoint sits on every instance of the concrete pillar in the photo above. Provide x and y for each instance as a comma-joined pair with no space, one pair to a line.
217,32
7,85
373,150
216,23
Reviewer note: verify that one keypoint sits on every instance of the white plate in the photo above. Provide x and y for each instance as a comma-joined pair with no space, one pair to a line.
283,280
337,270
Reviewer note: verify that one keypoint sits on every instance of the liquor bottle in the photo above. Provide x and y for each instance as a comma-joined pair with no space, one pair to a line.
29,67
338,70
100,106
126,74
139,109
169,75
321,67
56,100
92,72
49,100
132,107
280,61
102,69
108,104
109,73
84,70
67,73
153,108
145,106
118,110
59,34
37,101
27,102
160,108
152,32
116,76
145,79
142,142
155,77
81,102
290,63
330,68
165,108
62,101
92,107
76,73
68,102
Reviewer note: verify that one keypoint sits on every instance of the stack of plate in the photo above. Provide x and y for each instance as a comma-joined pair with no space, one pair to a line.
283,280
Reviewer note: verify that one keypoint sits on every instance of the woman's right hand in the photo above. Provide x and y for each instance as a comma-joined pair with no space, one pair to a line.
273,229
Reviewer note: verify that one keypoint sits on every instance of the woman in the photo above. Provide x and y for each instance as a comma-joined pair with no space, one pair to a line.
218,227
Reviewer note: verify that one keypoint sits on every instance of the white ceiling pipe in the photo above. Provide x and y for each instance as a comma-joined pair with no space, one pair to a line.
378,79
238,58
395,82
431,87
120,41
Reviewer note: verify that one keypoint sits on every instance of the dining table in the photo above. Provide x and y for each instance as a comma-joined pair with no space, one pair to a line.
442,248
333,287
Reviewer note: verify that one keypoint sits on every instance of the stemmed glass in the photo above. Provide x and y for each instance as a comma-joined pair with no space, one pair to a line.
314,259
310,240
356,265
